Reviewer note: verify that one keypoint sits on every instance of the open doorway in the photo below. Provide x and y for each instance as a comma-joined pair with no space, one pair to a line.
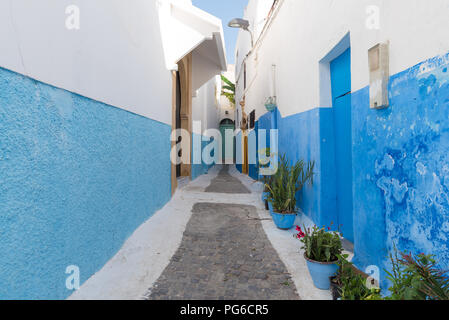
228,146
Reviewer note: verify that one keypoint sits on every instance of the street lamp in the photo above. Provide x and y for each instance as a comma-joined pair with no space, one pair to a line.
241,24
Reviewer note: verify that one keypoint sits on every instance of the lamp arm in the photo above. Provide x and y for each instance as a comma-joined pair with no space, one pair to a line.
252,37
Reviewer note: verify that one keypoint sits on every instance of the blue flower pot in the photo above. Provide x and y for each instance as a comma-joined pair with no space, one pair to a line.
283,221
270,107
321,272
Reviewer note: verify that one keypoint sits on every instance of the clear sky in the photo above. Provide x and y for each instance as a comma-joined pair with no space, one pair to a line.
226,10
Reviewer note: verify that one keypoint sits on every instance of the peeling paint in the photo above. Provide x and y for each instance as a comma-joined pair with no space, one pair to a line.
402,181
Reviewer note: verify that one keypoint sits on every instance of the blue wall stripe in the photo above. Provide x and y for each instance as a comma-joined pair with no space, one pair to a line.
77,178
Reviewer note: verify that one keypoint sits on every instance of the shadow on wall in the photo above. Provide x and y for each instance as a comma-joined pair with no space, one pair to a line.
77,178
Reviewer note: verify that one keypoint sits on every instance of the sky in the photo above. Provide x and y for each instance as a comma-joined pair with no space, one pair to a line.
226,10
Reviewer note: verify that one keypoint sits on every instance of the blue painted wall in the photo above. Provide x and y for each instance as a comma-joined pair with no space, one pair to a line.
203,168
253,168
239,154
401,167
309,136
77,177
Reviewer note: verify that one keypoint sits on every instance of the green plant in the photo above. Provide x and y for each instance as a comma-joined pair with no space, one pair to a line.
320,245
415,277
435,282
352,285
405,282
287,182
265,179
228,90
374,295
345,269
354,288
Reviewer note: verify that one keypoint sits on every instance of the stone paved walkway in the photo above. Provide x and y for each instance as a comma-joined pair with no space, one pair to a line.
225,183
224,254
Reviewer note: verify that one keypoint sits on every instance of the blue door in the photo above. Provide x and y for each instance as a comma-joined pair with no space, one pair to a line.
341,97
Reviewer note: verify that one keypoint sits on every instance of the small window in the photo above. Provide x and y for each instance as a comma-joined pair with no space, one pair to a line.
252,119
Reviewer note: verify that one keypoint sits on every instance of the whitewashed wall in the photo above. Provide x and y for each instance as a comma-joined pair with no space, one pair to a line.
205,107
256,12
225,104
115,57
304,32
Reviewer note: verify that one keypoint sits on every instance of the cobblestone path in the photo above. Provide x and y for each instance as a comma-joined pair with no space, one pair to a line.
225,183
224,254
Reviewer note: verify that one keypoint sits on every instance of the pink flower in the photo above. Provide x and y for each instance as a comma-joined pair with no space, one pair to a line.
301,235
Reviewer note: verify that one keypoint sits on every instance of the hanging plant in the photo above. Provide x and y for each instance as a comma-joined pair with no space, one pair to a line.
270,104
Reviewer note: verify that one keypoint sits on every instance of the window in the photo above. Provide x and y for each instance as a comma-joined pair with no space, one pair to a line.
252,119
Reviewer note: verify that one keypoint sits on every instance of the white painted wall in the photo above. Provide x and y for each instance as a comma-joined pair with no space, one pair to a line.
205,106
225,104
121,55
304,32
256,12
115,57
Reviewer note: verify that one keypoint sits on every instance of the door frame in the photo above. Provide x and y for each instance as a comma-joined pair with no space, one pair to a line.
185,80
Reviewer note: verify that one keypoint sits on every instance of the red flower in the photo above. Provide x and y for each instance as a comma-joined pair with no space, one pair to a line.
328,228
298,228
301,235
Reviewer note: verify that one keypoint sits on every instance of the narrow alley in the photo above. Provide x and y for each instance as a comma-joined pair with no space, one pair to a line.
213,240
224,150
224,254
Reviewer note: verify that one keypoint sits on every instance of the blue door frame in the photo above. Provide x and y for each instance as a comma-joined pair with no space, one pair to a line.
341,97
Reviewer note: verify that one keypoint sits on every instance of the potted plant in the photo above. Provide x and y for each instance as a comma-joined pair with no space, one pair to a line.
267,176
270,104
284,186
349,283
322,249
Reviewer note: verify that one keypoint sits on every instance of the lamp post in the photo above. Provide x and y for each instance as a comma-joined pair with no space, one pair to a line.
242,24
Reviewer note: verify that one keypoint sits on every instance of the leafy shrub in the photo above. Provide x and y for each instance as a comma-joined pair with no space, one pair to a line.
415,277
351,284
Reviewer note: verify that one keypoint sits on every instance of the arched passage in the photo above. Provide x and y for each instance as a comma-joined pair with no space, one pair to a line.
228,141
